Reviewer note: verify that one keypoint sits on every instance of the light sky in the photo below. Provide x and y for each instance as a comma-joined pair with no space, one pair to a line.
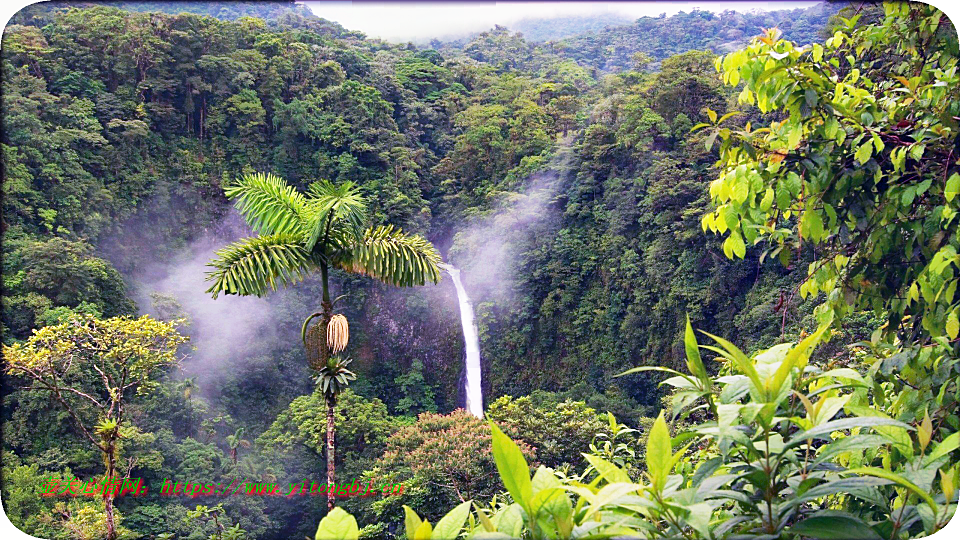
403,21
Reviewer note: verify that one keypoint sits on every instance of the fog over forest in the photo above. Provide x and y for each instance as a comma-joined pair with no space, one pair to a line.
706,261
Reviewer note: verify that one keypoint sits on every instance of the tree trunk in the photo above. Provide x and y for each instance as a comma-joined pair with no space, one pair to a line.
331,451
110,460
327,309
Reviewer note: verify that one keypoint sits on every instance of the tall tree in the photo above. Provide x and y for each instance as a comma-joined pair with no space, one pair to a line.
318,231
91,368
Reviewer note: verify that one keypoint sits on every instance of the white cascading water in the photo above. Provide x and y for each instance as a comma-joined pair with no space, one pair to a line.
472,341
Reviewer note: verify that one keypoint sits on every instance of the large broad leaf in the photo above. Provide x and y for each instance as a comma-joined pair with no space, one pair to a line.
796,358
559,510
659,453
512,467
449,526
841,485
423,532
853,443
899,436
338,525
830,525
543,497
608,494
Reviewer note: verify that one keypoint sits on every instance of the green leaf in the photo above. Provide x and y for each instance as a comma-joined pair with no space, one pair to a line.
734,245
842,424
881,473
953,324
423,532
732,353
510,521
608,471
817,52
925,431
952,187
811,224
796,357
544,478
512,467
659,453
864,152
694,361
338,525
832,525
411,521
484,520
946,446
448,528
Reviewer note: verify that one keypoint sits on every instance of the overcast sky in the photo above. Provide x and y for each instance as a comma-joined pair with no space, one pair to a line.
402,21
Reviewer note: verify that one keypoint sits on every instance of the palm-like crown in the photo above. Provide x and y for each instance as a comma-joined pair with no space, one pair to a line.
297,233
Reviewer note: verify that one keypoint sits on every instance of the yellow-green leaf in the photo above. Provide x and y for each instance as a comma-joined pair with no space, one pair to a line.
338,525
659,453
953,324
512,467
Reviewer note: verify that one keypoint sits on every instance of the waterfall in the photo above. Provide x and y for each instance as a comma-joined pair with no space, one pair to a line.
472,342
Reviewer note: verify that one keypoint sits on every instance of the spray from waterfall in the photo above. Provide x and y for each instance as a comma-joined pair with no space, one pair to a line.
471,340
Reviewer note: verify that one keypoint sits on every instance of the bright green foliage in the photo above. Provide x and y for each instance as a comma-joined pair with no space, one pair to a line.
861,165
560,433
441,460
91,369
448,528
301,233
338,525
128,354
121,131
363,429
785,447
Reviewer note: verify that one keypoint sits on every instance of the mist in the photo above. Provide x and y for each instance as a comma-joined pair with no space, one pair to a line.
487,249
422,21
226,333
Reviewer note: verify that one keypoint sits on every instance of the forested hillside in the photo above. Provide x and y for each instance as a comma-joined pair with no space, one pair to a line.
613,48
568,179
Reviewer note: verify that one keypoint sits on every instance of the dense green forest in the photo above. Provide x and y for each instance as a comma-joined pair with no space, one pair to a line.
185,183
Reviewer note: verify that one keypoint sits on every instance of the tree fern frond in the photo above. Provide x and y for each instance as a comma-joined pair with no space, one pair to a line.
269,204
253,266
387,254
334,205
